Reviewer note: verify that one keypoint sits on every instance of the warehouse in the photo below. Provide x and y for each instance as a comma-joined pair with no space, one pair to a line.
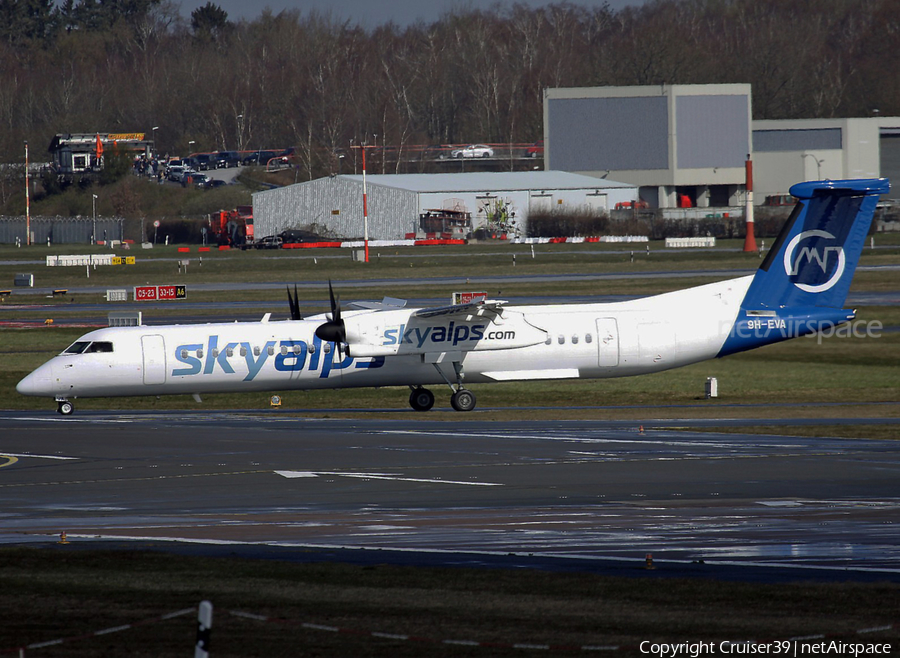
683,145
686,145
398,204
787,151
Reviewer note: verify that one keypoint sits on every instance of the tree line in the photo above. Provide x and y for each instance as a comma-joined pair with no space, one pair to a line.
320,84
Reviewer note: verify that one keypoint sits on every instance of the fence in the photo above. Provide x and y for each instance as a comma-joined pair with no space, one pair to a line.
61,230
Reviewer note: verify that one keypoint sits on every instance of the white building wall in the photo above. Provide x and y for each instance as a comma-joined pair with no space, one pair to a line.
774,171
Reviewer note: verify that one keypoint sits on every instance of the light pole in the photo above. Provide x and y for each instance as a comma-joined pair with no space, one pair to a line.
190,144
818,164
153,139
27,201
94,223
240,121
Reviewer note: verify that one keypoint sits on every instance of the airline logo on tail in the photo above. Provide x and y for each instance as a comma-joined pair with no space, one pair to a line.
814,261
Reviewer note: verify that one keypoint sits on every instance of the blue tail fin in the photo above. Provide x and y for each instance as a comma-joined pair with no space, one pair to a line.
802,284
813,260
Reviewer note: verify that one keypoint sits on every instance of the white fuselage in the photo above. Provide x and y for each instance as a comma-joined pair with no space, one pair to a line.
523,343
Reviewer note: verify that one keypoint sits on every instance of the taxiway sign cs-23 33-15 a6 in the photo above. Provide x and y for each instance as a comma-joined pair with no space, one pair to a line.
799,289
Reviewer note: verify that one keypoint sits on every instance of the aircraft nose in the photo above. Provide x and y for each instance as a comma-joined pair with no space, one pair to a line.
37,383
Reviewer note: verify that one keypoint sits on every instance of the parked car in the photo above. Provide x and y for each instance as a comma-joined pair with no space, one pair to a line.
174,172
473,151
227,159
203,162
536,150
195,179
270,242
259,157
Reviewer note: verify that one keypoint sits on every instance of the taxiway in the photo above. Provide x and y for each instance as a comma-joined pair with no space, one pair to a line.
582,490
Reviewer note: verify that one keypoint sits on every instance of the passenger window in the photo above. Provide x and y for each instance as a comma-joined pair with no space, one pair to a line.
243,351
271,350
215,353
283,350
327,348
574,339
183,354
549,340
256,351
561,340
588,338
200,354
296,349
229,351
312,348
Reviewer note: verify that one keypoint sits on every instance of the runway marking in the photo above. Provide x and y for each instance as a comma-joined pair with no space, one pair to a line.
469,552
50,419
133,479
643,440
382,476
10,460
28,454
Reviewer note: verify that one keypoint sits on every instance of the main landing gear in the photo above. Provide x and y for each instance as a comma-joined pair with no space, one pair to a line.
421,399
64,407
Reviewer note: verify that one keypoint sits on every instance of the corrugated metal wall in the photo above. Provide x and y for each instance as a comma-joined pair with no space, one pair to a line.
333,208
61,230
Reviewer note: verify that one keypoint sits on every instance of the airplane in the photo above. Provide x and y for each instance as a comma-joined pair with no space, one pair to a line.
799,289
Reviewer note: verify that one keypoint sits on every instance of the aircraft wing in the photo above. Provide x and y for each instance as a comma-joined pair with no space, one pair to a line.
458,328
484,308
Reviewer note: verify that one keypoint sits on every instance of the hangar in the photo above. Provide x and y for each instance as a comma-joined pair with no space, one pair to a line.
673,141
397,203
691,141
805,149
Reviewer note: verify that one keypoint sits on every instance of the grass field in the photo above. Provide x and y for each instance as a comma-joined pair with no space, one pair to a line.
84,591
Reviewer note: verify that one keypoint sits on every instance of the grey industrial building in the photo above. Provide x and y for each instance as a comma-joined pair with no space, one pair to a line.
333,206
676,141
670,140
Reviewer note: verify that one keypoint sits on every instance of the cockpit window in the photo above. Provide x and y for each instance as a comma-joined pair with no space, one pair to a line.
76,347
100,346
86,347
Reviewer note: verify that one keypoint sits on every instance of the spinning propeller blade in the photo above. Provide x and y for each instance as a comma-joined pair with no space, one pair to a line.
294,303
333,331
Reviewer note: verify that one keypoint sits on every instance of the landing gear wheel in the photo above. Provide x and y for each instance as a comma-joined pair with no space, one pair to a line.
65,408
421,399
463,400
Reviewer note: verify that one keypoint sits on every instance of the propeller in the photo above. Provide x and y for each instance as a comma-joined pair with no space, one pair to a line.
294,303
333,331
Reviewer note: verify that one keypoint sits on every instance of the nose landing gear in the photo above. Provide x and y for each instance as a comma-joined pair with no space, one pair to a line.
64,407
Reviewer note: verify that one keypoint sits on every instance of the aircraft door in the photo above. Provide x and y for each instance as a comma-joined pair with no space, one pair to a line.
154,353
607,342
